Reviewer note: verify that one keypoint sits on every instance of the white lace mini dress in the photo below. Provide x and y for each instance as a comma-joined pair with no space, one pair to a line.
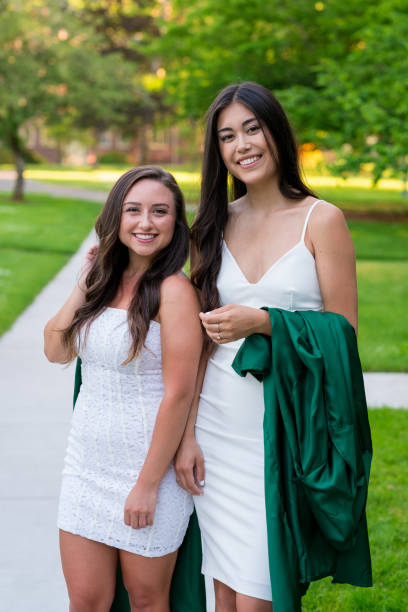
111,431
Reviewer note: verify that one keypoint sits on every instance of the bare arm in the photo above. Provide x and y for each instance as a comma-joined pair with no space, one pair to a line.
181,338
335,261
189,461
54,348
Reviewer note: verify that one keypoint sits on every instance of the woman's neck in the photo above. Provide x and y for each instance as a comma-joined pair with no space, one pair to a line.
265,196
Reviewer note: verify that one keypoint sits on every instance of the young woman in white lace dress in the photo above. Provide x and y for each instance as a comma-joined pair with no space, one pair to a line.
274,244
133,320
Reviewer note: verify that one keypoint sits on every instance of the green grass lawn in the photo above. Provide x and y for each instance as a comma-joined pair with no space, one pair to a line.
387,524
37,238
383,328
22,276
380,241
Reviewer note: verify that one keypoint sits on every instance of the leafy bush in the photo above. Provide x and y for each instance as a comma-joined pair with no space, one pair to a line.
113,157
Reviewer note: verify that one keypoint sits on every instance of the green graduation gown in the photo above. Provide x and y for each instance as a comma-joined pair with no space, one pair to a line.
187,591
317,451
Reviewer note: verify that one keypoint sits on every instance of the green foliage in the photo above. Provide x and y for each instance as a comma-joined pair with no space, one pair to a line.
367,94
113,157
339,71
56,70
209,44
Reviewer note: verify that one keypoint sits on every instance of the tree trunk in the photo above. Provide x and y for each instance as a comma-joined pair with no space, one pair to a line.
143,146
18,194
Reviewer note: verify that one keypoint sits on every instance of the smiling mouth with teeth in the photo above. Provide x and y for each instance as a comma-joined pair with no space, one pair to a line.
144,236
249,160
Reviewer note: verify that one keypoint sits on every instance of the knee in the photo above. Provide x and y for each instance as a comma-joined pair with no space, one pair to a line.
84,598
144,597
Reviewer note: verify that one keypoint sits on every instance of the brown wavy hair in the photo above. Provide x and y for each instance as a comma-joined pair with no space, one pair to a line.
103,279
208,228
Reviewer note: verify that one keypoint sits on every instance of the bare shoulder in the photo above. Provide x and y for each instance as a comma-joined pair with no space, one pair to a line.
177,288
328,230
179,310
326,216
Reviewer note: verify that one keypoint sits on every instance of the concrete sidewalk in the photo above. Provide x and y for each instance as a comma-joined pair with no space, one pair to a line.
66,191
36,410
35,415
7,178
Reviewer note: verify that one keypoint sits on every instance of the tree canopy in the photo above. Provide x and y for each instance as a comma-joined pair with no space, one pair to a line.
339,70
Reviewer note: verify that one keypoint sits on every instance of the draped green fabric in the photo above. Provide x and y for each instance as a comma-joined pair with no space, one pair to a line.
187,590
317,451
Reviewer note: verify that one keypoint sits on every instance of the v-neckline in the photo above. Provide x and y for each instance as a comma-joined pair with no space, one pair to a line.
277,261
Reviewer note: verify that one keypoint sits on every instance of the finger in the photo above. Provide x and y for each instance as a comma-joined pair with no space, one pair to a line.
218,312
200,472
185,480
142,521
134,521
215,325
126,518
192,486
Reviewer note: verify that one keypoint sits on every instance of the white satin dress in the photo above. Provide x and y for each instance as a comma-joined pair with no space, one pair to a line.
231,512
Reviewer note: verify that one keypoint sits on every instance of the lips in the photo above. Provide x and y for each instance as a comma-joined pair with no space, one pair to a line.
145,237
248,161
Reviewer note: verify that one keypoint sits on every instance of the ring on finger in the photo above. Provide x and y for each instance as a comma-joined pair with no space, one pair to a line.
219,337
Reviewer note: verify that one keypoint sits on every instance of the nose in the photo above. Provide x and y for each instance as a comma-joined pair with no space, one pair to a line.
145,220
242,142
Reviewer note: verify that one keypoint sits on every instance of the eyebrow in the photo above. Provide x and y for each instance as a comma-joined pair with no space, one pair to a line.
244,123
140,204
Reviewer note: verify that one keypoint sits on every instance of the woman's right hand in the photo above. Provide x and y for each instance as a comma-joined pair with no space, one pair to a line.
189,466
87,264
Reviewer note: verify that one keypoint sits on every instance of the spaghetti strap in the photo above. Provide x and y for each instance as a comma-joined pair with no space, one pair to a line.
307,219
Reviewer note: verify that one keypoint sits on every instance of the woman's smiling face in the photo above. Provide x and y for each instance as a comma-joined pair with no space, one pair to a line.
243,145
148,219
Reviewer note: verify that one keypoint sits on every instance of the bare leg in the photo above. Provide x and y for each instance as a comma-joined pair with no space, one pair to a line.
252,604
147,580
225,597
90,572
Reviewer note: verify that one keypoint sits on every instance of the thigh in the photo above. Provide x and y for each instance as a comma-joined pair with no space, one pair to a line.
147,578
89,568
252,604
225,597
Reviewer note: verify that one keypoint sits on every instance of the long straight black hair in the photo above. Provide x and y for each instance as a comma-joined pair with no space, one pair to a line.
208,228
103,279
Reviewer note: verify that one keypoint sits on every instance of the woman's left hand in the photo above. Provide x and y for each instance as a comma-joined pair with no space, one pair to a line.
232,322
140,506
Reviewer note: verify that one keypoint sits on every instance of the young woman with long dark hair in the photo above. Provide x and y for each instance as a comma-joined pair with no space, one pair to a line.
272,243
133,320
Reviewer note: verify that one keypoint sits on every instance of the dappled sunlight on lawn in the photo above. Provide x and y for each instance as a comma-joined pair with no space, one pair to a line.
110,175
353,181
